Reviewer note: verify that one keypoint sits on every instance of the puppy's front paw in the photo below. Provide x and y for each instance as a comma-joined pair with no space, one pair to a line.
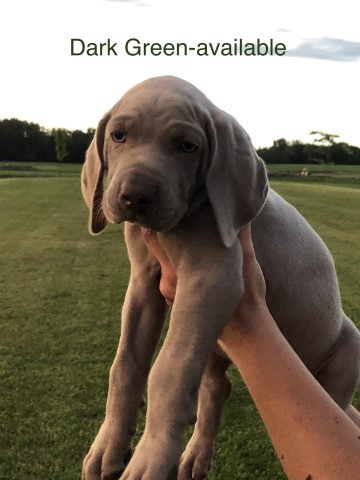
153,460
196,460
107,457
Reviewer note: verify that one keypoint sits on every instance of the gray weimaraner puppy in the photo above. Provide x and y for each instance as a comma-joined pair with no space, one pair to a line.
165,158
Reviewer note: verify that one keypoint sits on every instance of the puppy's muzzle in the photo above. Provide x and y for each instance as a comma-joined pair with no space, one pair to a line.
137,196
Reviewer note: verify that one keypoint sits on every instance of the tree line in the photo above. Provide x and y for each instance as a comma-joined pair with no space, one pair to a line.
22,141
29,142
324,150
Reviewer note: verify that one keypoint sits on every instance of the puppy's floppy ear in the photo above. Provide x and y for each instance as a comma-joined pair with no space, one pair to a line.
92,177
236,181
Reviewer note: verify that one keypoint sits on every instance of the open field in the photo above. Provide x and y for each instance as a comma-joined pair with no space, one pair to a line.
339,174
30,170
330,174
61,294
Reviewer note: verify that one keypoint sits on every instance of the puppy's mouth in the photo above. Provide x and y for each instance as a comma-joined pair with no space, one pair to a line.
144,198
155,217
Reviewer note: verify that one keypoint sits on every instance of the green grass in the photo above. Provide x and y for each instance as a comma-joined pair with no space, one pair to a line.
61,295
330,174
30,169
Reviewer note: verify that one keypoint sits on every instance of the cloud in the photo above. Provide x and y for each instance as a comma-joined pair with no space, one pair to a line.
326,48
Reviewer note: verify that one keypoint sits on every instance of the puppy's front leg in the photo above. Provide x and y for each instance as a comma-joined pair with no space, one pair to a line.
142,320
208,291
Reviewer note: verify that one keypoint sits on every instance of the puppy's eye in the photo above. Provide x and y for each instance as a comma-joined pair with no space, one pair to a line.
118,137
188,147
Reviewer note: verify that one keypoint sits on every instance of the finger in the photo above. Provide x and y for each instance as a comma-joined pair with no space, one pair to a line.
246,240
155,249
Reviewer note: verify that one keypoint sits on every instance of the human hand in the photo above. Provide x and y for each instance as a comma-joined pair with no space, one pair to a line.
254,284
252,306
168,279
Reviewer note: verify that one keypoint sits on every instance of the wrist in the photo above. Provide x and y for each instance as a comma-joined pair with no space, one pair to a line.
242,329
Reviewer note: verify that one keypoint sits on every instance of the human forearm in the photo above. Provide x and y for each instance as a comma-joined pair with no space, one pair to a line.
310,433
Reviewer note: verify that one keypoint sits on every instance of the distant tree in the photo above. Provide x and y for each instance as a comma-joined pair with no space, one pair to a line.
60,137
316,154
327,141
278,153
77,144
25,142
281,144
340,153
297,152
355,155
325,138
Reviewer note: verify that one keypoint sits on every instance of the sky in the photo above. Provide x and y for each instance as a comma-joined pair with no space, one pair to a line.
314,86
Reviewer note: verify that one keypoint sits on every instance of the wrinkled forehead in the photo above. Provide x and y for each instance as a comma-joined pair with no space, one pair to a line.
163,99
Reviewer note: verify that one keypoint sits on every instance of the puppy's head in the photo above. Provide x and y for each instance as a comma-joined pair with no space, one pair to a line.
162,151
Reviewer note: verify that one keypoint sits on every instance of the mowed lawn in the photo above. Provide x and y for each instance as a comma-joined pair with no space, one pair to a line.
61,292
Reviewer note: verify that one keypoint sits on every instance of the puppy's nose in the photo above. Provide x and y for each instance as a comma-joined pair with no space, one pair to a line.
137,197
